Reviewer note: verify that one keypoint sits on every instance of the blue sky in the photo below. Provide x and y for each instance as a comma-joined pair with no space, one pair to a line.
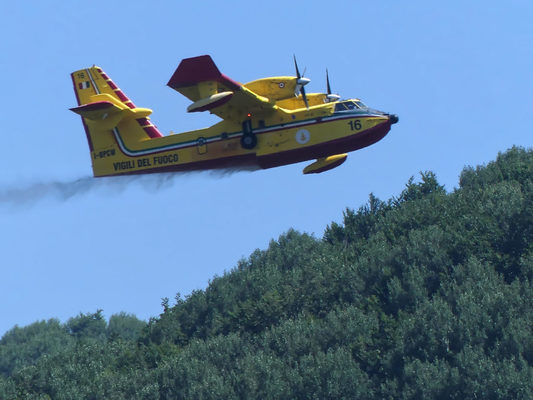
457,73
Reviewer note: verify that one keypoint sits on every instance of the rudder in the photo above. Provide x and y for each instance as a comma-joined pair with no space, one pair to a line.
105,110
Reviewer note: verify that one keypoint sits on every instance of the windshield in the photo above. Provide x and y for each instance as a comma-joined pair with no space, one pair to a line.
360,104
350,105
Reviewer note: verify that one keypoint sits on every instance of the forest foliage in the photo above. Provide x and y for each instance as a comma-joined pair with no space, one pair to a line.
427,295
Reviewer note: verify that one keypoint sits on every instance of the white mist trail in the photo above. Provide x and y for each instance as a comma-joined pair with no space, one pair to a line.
27,194
24,194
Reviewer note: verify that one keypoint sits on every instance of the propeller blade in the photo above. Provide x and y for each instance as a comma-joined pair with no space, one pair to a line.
300,83
330,96
304,97
296,66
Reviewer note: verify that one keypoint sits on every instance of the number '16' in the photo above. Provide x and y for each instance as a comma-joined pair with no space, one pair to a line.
355,125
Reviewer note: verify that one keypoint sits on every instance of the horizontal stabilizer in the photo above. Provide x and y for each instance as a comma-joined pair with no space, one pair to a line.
325,164
97,110
108,114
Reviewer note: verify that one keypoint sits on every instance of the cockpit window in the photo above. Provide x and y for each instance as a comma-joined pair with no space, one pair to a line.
350,105
340,107
360,104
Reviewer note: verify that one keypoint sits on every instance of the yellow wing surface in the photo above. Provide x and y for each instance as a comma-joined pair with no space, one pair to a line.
199,79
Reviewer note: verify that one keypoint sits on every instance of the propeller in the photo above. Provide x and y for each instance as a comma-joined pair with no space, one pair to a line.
330,97
300,83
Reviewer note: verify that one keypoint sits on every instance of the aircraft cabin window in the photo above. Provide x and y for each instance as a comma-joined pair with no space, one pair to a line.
360,104
340,107
350,105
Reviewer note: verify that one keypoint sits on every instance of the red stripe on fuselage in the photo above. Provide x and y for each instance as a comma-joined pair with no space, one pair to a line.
246,162
144,122
337,146
281,128
124,98
152,131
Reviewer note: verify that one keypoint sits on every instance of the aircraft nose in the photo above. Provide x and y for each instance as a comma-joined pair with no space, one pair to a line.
393,118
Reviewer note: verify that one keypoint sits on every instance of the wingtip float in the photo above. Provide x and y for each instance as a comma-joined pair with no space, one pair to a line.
266,123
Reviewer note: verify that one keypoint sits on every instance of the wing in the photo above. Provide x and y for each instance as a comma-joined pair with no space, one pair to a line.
199,79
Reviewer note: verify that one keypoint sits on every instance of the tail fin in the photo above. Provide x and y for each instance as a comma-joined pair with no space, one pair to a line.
105,110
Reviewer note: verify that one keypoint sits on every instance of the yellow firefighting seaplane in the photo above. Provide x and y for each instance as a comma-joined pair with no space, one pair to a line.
265,123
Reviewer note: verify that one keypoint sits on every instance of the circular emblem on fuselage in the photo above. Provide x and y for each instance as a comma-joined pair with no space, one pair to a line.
281,85
303,136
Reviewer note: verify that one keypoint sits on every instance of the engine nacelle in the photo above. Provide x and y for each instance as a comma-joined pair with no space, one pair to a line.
210,102
275,88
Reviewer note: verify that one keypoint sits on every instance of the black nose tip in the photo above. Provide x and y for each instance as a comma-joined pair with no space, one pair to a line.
393,118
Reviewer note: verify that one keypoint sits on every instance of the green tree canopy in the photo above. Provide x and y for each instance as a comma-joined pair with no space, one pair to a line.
426,295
